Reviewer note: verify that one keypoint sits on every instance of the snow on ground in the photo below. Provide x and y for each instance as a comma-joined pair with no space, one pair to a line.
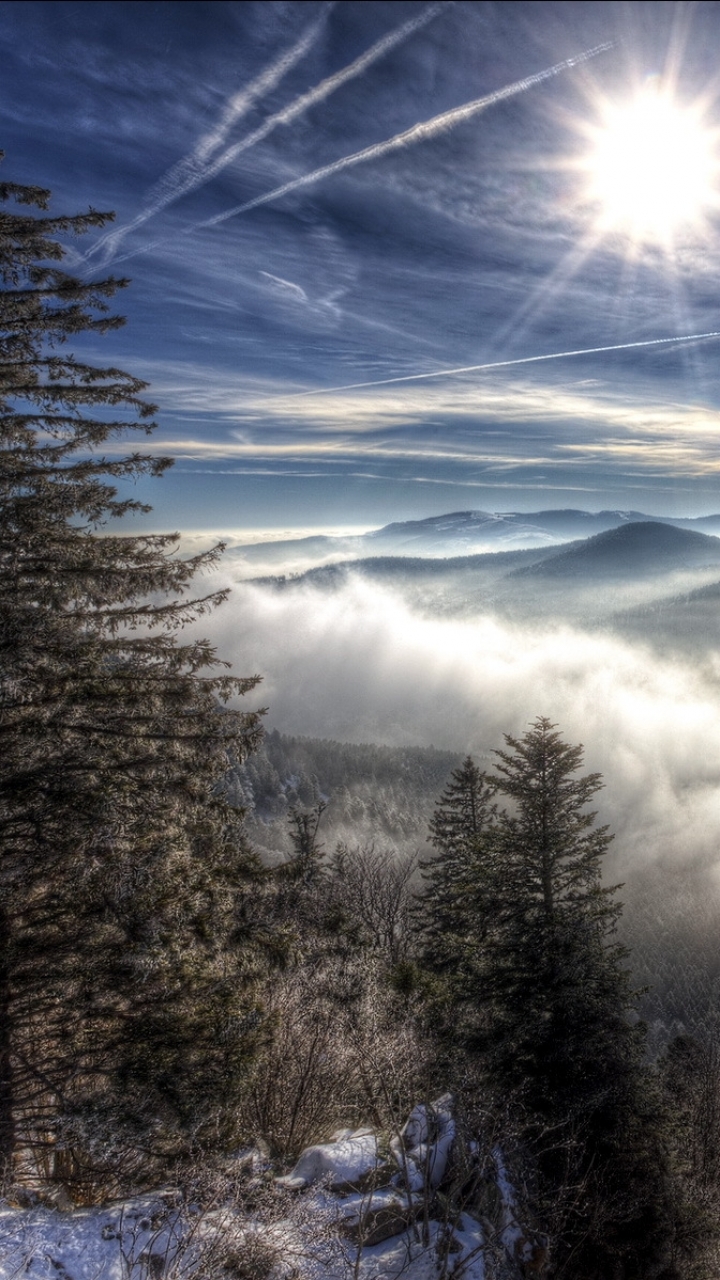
144,1239
111,1243
345,1212
349,1156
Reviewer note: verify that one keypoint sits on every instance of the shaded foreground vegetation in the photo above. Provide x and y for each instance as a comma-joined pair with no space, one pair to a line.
166,997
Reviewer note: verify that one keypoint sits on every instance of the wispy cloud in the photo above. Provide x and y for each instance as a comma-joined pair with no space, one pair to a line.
203,164
198,167
421,132
469,438
445,417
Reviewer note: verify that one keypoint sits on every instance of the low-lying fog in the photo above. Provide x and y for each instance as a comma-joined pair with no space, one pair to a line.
358,663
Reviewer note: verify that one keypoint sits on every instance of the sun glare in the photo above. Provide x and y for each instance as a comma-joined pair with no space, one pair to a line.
653,167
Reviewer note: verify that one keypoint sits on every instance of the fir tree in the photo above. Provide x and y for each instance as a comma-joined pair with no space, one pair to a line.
555,982
556,1024
305,865
459,880
531,994
462,812
126,1000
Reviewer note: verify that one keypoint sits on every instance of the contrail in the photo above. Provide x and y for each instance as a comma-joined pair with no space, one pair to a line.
500,364
200,167
326,87
418,133
190,172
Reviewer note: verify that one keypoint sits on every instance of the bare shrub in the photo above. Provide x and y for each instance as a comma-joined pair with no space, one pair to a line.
299,1087
373,888
343,1050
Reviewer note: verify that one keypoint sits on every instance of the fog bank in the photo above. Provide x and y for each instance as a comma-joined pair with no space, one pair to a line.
358,665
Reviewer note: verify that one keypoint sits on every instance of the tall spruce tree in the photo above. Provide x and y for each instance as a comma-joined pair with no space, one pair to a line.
126,960
557,1027
557,988
530,993
460,875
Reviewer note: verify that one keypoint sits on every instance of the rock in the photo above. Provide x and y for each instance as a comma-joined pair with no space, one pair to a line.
341,1134
371,1219
415,1129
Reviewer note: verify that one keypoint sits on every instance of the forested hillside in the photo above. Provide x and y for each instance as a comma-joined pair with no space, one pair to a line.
386,797
372,793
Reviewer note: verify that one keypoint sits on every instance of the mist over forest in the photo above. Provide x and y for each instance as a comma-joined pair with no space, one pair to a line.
419,661
620,653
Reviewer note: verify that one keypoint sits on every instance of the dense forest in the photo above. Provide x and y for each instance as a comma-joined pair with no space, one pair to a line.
216,949
371,793
385,797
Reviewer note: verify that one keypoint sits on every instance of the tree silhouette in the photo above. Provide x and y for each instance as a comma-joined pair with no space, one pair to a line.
454,906
125,1003
555,979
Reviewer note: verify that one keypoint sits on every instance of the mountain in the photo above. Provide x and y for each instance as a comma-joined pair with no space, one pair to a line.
687,623
458,533
635,550
511,529
395,568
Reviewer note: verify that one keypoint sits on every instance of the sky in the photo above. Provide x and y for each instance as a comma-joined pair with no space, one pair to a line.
364,237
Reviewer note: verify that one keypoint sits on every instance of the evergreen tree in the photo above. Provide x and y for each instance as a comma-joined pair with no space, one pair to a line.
459,880
557,1030
557,989
534,997
126,1003
462,812
305,865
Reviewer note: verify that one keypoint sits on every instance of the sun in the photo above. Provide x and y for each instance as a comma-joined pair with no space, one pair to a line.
652,167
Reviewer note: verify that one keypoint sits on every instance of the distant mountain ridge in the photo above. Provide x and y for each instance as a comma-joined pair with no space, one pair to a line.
537,527
633,552
637,548
466,533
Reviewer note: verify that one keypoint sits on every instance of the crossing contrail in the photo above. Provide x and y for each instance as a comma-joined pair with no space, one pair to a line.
325,88
203,163
190,172
417,133
500,364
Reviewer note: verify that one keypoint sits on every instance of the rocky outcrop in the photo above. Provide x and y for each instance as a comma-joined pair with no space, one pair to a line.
422,1148
384,1213
446,1195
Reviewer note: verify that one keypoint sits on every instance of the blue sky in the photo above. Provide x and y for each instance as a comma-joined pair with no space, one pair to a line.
274,267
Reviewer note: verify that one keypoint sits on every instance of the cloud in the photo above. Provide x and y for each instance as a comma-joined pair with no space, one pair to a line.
202,165
285,287
506,364
421,132
359,665
485,421
198,167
